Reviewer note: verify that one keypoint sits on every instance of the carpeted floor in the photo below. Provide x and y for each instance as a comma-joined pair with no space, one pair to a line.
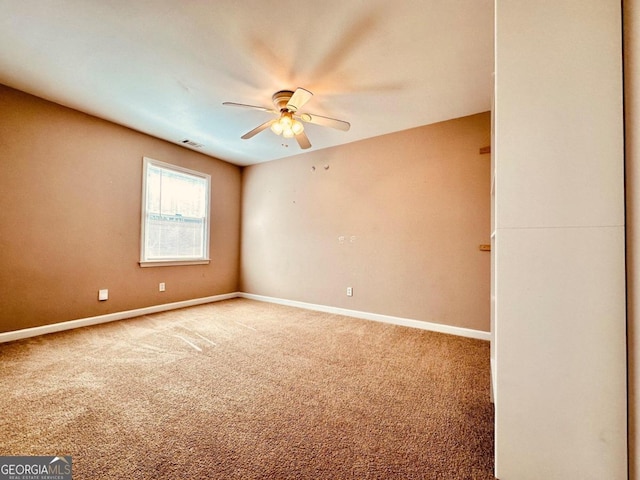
247,390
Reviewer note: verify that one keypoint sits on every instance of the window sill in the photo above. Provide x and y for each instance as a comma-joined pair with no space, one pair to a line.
173,263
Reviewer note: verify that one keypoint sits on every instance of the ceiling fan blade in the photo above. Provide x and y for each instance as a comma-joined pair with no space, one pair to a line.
303,140
325,121
258,129
298,99
264,109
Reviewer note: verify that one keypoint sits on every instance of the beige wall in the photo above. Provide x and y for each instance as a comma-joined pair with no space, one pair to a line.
70,194
632,138
417,205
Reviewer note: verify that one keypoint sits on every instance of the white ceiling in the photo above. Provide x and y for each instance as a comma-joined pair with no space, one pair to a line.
164,67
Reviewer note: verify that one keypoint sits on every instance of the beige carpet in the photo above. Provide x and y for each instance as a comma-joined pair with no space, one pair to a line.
245,390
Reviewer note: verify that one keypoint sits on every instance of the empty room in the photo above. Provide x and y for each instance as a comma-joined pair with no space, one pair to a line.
318,240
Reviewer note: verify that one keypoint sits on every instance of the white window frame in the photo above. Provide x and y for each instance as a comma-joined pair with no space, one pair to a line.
172,261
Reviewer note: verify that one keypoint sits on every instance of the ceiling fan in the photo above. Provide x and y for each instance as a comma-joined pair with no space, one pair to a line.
289,120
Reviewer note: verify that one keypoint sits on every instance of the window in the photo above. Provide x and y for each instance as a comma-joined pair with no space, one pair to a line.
175,215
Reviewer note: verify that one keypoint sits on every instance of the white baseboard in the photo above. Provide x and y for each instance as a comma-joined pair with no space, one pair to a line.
110,317
406,322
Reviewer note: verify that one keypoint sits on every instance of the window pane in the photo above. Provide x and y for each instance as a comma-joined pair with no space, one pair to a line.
174,236
154,177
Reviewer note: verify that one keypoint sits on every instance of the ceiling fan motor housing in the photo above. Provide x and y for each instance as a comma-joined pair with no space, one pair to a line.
281,99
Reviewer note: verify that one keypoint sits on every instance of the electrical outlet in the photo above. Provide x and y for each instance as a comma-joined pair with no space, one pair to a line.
103,294
349,291
161,287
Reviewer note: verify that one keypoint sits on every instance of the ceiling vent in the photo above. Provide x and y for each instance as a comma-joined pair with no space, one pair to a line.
191,143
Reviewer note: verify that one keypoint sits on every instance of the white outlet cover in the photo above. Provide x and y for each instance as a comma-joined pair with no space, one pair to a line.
103,294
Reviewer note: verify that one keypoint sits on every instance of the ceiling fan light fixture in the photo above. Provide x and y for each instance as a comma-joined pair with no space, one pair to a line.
287,133
287,126
286,121
276,128
297,127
